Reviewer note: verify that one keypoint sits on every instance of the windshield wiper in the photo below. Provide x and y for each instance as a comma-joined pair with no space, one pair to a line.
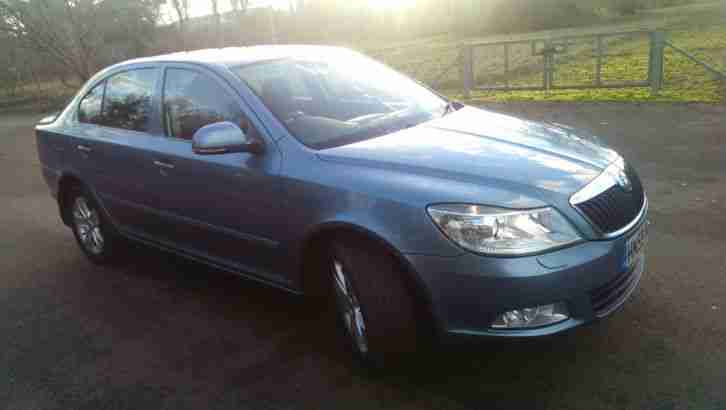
389,116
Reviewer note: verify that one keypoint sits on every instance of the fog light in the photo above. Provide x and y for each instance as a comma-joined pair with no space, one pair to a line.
532,317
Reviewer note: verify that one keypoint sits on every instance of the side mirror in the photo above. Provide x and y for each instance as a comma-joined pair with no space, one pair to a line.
224,138
49,119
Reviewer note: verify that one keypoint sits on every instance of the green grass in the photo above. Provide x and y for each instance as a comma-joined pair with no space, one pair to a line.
38,96
685,81
699,29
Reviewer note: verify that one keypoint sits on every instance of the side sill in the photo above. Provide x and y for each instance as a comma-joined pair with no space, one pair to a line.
242,271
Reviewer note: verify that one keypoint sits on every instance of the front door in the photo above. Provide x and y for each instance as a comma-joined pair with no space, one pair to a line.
225,207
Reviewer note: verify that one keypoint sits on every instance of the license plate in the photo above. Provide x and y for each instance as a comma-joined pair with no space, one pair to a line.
635,246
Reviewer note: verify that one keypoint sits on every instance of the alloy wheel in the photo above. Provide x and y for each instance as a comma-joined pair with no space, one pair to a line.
349,307
87,223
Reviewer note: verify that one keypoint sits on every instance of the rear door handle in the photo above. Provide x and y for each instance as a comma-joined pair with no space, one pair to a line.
84,148
164,165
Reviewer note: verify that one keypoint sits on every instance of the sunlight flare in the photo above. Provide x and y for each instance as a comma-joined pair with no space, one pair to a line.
390,4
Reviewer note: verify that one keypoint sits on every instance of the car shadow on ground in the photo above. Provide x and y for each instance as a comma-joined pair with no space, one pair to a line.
229,316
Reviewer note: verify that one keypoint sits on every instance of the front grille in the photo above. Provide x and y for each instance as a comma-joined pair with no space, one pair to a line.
611,295
615,208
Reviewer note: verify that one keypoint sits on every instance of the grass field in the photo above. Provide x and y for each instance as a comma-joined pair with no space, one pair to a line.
700,29
685,81
37,96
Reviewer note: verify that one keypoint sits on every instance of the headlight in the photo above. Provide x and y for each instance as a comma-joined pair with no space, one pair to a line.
489,230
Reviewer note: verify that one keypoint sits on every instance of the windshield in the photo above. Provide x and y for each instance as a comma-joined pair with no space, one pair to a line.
339,99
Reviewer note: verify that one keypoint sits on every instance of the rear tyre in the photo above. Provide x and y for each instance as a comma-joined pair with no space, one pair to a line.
375,307
92,230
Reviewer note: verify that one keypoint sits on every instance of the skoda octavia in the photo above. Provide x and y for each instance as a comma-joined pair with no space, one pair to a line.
320,171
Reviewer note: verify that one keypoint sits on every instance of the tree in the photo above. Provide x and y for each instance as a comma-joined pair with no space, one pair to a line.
239,6
181,7
72,34
297,6
131,22
217,29
63,30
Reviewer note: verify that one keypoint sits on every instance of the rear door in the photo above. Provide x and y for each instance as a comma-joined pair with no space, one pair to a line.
82,134
113,145
225,207
131,128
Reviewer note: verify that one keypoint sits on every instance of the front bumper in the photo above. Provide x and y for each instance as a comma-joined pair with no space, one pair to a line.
467,292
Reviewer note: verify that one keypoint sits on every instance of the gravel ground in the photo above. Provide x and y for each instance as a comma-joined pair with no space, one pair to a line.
159,333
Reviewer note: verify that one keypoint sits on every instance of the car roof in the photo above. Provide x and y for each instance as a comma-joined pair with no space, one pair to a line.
237,56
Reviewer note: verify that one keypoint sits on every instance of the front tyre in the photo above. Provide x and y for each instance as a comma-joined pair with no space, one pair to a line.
94,234
376,308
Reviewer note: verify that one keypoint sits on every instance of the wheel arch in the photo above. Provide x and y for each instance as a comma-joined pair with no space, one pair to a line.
65,182
312,252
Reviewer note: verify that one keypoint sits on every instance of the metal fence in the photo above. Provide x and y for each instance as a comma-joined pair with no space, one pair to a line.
573,62
606,60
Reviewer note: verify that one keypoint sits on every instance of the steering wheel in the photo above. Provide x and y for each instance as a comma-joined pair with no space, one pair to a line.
294,116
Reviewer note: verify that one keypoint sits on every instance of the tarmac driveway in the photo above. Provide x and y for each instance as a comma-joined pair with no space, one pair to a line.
158,332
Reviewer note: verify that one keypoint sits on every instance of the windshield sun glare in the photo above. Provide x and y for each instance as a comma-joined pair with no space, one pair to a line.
340,98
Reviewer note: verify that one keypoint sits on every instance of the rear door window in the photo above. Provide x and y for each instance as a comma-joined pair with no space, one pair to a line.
127,103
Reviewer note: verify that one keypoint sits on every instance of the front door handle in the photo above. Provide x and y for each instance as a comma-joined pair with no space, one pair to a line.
164,165
84,148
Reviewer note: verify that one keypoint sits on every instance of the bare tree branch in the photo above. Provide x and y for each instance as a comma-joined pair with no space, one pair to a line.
71,33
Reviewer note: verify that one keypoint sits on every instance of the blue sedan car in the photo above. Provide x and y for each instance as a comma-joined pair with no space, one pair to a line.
320,171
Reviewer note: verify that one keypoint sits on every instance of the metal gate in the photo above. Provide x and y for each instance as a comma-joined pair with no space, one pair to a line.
603,60
572,62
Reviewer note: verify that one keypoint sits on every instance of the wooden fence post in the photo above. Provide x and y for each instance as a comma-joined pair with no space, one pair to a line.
655,63
467,69
548,56
600,50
